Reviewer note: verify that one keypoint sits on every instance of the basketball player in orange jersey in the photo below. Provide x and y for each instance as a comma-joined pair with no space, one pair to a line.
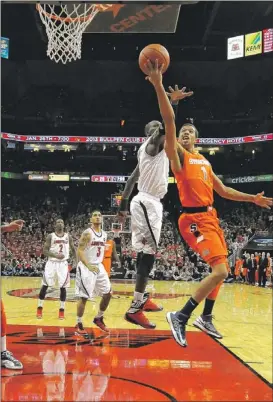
7,359
110,255
198,223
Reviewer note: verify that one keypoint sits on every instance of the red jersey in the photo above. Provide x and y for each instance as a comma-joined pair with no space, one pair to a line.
195,181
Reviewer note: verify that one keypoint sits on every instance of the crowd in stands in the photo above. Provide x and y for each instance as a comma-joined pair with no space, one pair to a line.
22,253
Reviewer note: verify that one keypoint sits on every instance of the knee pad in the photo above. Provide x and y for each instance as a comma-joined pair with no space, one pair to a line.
145,265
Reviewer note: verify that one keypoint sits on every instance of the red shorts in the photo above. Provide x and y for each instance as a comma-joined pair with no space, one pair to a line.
203,234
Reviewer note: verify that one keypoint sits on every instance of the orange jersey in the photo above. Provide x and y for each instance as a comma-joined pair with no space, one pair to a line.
107,261
195,181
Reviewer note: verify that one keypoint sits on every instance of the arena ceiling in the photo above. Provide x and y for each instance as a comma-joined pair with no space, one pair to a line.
202,31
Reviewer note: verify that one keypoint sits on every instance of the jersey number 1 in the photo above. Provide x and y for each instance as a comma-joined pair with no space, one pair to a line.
204,170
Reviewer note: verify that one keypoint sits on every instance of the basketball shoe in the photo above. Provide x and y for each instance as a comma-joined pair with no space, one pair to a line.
149,305
39,313
178,324
8,361
135,315
79,330
204,322
98,321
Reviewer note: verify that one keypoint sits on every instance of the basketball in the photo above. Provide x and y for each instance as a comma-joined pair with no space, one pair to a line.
153,52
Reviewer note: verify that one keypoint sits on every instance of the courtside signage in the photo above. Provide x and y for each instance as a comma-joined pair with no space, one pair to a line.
235,47
253,43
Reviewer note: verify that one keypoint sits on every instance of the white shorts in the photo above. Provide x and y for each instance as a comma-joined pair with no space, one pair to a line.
146,221
89,284
59,269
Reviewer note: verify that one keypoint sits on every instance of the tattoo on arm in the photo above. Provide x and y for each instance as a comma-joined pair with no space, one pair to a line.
84,240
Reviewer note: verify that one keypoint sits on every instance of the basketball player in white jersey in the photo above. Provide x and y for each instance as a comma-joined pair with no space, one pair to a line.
152,174
57,248
91,277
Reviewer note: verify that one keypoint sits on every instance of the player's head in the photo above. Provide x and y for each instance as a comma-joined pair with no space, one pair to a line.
59,225
188,135
96,217
153,128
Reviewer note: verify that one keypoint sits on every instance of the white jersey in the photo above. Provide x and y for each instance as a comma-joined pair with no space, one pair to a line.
154,172
94,252
59,245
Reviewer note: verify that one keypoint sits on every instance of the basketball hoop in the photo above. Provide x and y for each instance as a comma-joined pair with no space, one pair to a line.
65,25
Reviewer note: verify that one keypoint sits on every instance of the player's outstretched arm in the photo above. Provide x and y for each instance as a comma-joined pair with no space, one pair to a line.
167,113
130,184
175,96
234,195
13,226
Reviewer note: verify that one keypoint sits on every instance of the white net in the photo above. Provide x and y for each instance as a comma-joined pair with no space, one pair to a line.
65,25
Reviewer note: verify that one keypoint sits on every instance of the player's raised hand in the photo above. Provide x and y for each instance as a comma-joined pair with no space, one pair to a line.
154,72
177,94
264,202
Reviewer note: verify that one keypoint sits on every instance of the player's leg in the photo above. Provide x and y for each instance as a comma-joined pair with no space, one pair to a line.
103,288
64,283
7,359
146,227
204,322
83,290
207,240
47,280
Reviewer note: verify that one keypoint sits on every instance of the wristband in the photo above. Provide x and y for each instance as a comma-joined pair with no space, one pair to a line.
123,206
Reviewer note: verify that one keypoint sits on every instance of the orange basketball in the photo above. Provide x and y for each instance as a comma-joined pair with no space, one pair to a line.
153,52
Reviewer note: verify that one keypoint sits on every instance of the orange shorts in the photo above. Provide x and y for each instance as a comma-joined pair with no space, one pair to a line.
107,262
203,234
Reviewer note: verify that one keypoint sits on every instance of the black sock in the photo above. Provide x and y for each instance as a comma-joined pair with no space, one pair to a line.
63,294
43,292
189,307
208,306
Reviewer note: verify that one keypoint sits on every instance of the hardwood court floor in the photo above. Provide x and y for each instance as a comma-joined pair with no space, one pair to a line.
136,364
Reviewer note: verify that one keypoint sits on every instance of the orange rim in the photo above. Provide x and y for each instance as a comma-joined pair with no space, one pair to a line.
64,19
